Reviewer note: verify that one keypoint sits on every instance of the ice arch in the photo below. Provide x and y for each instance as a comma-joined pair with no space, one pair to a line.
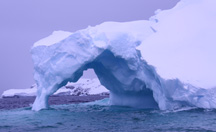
117,64
114,73
112,53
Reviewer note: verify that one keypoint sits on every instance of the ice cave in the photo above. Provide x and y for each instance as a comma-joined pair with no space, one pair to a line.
149,64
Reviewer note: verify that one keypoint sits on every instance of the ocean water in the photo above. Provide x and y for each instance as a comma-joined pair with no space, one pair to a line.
100,117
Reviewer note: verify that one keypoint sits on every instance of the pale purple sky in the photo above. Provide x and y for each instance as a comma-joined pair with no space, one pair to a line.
23,22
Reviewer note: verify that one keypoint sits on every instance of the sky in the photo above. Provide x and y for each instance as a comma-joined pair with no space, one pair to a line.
24,22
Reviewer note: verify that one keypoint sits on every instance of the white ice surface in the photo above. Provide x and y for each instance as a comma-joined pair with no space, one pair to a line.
184,44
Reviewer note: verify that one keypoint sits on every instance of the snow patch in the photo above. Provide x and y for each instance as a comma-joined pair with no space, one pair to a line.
55,37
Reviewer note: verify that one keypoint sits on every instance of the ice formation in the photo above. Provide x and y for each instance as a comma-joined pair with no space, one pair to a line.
178,44
82,87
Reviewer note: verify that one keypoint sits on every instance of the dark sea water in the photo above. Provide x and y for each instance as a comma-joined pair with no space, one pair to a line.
100,117
25,101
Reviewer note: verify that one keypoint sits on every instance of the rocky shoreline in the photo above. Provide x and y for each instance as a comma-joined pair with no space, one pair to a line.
8,103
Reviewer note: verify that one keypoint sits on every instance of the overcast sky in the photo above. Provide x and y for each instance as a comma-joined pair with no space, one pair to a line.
23,22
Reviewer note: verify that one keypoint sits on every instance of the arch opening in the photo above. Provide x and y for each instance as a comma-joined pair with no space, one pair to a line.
87,85
118,77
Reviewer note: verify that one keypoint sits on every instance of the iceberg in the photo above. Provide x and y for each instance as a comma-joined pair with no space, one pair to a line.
164,63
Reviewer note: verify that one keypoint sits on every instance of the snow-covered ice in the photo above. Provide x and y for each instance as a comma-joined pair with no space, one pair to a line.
20,92
90,86
167,62
82,87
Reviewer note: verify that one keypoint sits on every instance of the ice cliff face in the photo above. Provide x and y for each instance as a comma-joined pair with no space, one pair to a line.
113,51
